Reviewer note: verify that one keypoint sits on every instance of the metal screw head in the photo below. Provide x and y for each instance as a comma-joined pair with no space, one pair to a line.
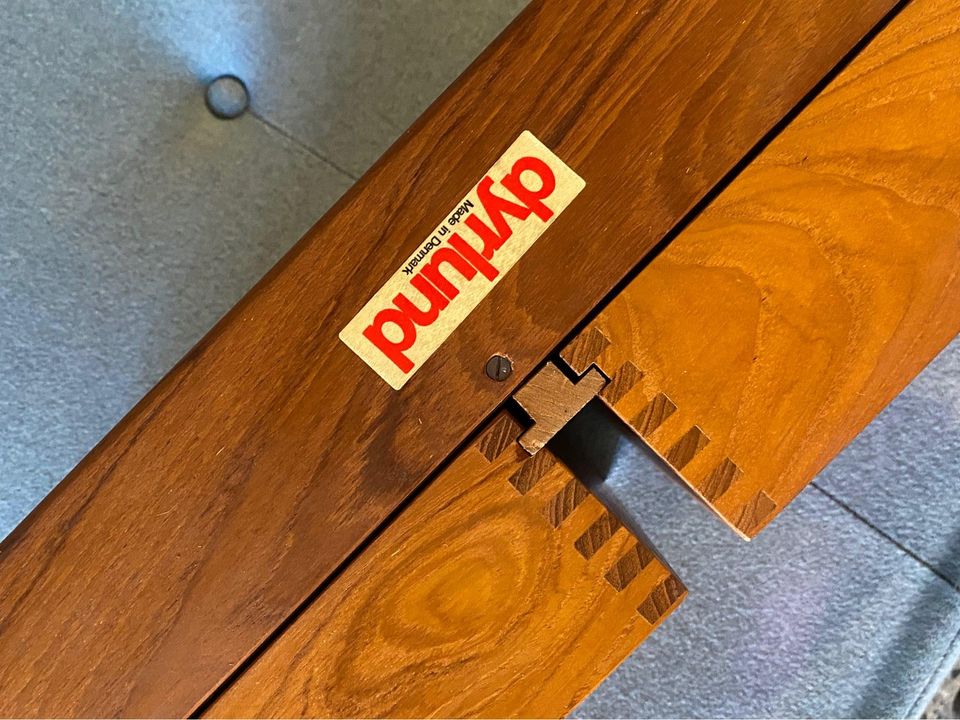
227,97
499,368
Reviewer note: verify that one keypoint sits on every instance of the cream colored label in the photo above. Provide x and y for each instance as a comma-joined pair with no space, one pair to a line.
451,271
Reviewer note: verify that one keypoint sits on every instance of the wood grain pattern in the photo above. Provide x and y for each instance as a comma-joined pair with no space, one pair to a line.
475,602
812,290
248,474
551,400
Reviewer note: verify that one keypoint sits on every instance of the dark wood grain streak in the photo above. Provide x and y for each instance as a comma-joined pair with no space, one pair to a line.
720,479
529,474
686,448
230,492
629,566
622,382
653,414
498,437
661,599
567,499
597,534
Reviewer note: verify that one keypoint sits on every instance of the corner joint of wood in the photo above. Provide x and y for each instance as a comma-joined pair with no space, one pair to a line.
551,399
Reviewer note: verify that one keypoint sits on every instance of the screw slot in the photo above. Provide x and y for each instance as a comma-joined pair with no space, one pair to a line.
499,368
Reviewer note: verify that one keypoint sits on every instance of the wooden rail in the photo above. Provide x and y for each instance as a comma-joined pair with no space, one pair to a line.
814,288
504,590
252,470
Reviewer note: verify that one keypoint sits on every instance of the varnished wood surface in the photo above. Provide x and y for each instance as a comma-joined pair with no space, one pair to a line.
815,287
246,476
479,600
551,400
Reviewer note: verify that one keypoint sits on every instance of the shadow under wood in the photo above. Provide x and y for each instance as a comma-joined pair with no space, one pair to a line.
589,446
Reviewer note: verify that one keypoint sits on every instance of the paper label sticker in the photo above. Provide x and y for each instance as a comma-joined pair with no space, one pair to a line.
451,272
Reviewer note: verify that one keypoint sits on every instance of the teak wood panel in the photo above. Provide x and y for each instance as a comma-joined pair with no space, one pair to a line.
248,474
814,288
504,590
